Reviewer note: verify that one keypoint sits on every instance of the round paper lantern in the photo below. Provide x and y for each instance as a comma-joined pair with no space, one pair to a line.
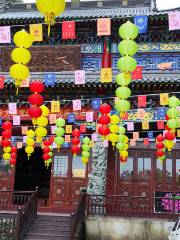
122,130
123,159
41,132
29,150
160,153
85,154
7,134
35,99
85,147
30,141
128,48
13,149
7,149
123,80
7,125
114,128
103,130
60,122
172,123
75,149
122,105
167,117
123,92
85,160
45,110
105,108
169,145
127,64
30,133
124,154
173,102
128,30
34,112
42,121
114,119
120,146
75,141
76,133
12,162
113,138
173,113
19,71
126,140
59,131
45,156
104,120
59,140
160,145
6,143
23,39
13,155
169,135
121,138
46,150
160,138
86,140
6,156
21,55
47,142
36,87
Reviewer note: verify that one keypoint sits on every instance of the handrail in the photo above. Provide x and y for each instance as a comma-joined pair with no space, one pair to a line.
78,216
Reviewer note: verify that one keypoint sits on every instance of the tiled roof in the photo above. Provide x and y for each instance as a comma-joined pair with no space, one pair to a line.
94,77
84,13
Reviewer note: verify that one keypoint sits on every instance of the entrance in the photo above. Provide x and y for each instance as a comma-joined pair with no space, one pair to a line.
32,173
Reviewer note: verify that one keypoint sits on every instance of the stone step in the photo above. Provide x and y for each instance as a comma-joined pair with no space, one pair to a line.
46,236
53,218
49,222
49,230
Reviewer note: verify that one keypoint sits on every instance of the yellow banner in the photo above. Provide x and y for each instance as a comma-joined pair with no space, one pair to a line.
145,125
37,32
67,138
55,106
68,128
164,99
106,75
178,133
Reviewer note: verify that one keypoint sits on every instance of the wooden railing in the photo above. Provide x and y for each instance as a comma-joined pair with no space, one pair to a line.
77,225
23,209
133,206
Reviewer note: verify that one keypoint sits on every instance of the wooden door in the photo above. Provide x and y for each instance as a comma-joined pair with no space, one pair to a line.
67,177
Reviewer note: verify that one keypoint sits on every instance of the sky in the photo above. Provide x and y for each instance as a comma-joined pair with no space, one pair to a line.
161,4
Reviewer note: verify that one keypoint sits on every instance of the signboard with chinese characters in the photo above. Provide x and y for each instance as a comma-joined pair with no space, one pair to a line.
47,58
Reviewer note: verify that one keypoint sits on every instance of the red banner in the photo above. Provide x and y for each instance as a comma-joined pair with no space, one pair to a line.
137,73
146,142
160,125
82,128
2,82
142,101
68,30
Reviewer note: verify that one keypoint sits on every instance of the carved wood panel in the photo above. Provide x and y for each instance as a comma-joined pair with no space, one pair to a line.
47,58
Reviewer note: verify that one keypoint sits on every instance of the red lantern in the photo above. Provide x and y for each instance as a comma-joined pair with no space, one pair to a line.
12,161
47,142
14,149
46,156
13,155
76,133
123,159
7,125
167,117
36,99
169,135
104,120
46,150
7,134
6,143
75,149
36,87
75,141
105,108
160,153
51,139
167,128
34,112
104,130
160,145
160,138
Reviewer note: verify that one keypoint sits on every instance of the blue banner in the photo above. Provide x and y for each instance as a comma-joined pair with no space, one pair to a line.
150,135
49,79
96,102
71,118
0,121
142,23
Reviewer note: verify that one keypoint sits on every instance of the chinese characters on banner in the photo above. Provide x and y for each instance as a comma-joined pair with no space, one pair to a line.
94,137
24,130
52,118
5,34
68,128
164,66
49,79
160,125
16,120
164,99
146,142
104,27
145,125
2,82
142,23
137,73
25,83
55,106
132,142
76,105
174,20
106,75
19,145
68,30
71,118
141,101
82,129
80,77
67,138
96,102
53,128
130,126
12,107
150,135
136,135
89,117
37,32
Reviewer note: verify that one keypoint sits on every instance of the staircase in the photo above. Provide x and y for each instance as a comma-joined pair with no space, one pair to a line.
50,228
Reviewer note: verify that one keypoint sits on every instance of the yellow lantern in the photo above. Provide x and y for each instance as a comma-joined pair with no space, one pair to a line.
23,39
85,160
50,9
42,121
7,149
29,150
30,141
41,132
45,110
113,138
30,133
124,153
114,128
21,55
126,146
6,156
126,140
114,119
169,145
19,71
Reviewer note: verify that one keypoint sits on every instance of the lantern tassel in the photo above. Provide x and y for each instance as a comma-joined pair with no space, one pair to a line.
17,90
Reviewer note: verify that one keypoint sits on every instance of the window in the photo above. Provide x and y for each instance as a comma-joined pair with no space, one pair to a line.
144,168
60,166
126,169
178,170
159,171
168,170
78,168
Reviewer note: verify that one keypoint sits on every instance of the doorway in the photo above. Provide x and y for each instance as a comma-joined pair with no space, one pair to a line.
32,173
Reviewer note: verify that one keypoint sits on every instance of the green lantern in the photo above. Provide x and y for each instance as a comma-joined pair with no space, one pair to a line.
121,138
123,92
173,113
85,154
120,146
59,131
127,64
85,147
59,140
86,140
122,105
128,48
123,80
173,123
122,130
128,31
173,102
60,122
